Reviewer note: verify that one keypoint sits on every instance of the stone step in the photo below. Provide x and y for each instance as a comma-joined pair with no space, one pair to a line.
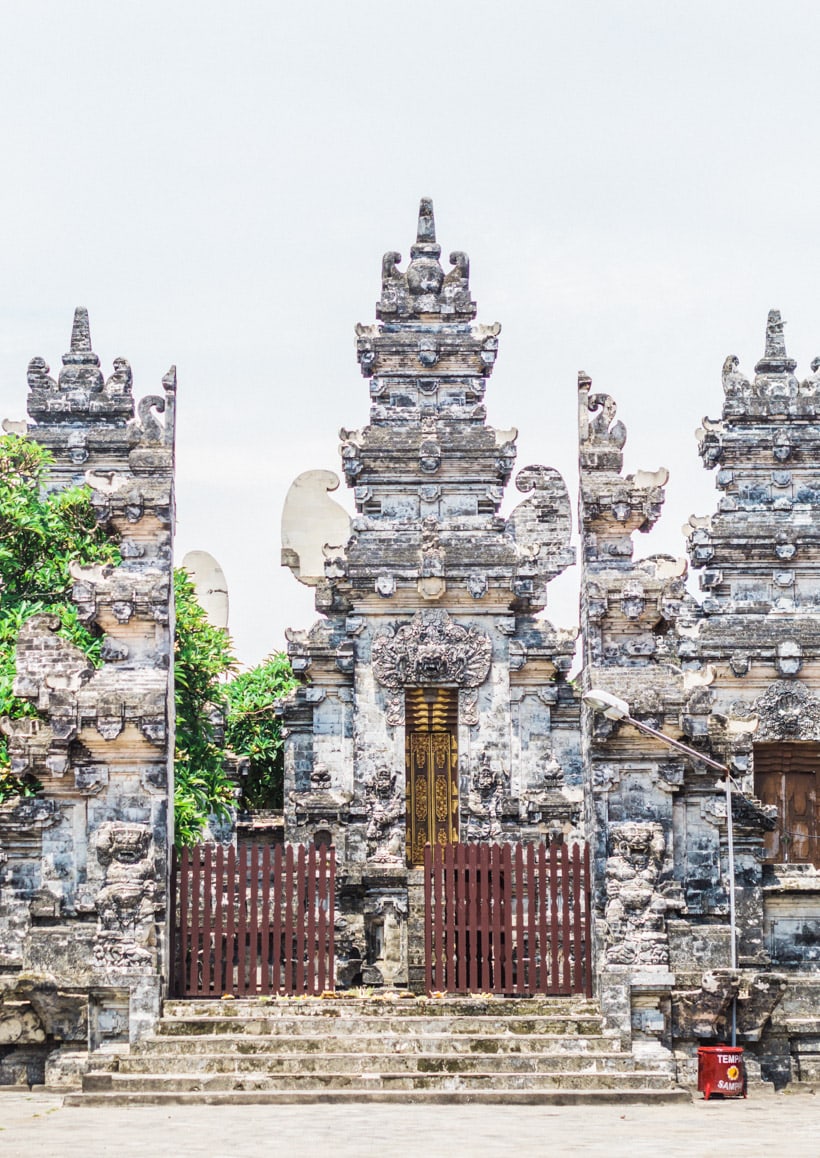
488,1096
412,1025
380,1006
456,1043
328,1062
217,1083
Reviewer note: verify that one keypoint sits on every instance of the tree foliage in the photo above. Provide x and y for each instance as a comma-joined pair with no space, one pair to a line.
202,658
253,730
40,535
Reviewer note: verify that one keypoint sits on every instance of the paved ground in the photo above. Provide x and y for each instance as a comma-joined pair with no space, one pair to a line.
762,1127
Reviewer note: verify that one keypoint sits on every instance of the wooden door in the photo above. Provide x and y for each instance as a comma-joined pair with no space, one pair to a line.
786,776
431,760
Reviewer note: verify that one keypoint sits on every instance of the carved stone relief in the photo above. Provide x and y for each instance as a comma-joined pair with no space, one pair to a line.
386,818
488,787
785,711
126,903
431,650
468,706
635,909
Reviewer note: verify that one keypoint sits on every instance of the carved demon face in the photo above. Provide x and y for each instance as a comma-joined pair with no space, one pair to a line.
431,663
127,844
384,781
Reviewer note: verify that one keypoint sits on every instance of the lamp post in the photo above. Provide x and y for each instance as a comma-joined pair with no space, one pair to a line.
617,709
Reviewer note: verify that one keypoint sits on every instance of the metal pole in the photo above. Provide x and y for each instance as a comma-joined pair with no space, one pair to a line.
730,838
730,842
692,752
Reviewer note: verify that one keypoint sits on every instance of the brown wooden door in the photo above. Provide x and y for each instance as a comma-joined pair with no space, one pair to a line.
431,759
786,776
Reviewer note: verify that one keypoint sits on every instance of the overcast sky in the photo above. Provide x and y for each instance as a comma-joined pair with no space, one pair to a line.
636,184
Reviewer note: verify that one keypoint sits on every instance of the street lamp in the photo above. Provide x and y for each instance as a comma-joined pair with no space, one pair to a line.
617,709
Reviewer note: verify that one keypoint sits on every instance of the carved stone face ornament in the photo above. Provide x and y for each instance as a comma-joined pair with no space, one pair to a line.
785,711
431,649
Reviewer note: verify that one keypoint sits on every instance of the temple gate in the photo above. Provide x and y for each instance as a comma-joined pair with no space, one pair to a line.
435,705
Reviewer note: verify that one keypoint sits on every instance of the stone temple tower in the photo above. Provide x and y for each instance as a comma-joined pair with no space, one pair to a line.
434,704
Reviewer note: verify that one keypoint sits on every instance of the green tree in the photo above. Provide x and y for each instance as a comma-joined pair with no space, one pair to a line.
40,535
253,731
202,658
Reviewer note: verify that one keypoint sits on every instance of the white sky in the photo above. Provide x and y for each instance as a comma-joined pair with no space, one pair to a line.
636,183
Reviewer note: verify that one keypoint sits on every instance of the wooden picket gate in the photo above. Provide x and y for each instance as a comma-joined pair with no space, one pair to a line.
255,921
511,919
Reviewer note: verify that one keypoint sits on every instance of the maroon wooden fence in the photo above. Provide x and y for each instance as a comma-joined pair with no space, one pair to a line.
512,919
255,921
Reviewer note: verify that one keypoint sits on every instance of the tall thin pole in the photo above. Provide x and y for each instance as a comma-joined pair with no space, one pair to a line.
730,841
693,754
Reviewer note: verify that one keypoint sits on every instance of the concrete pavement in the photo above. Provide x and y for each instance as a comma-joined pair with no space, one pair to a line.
766,1125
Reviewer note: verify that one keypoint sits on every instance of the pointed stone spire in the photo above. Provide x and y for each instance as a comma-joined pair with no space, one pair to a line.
775,360
427,221
81,364
426,244
81,331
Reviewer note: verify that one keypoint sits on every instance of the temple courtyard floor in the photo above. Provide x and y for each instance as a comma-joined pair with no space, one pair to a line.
765,1124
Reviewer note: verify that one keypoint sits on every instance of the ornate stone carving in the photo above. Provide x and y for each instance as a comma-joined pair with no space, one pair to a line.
488,785
38,376
704,1012
542,525
431,650
424,288
735,384
468,706
603,437
635,909
320,779
785,711
126,902
394,710
633,599
430,456
385,826
121,380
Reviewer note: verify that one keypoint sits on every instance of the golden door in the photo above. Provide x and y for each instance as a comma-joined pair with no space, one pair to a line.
431,758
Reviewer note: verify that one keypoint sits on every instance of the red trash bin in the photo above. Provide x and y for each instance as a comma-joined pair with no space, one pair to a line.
721,1071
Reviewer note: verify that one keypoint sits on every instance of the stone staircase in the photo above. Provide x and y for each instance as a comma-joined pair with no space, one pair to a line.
391,1049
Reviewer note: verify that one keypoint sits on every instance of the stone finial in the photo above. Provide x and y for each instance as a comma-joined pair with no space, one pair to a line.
775,339
81,365
424,273
775,360
427,222
81,331
424,289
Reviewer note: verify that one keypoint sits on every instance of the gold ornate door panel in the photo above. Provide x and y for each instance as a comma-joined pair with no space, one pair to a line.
431,757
